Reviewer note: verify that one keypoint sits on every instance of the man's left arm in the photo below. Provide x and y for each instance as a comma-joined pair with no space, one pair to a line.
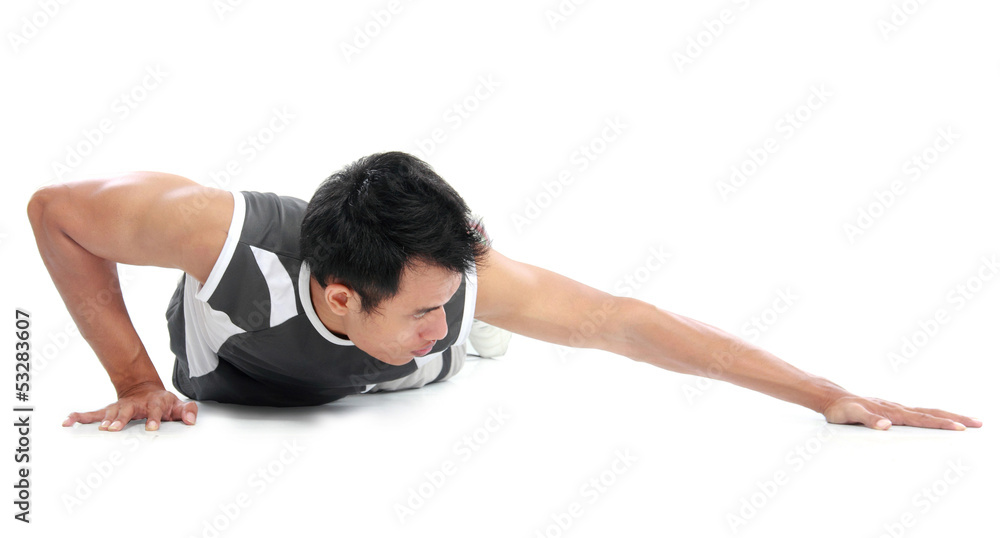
542,304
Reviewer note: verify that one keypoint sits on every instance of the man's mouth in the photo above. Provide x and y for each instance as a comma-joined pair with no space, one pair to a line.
424,351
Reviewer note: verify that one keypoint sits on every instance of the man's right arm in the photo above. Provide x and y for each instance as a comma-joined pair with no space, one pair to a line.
143,218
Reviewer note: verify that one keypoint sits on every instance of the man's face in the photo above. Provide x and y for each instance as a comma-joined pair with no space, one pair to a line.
412,321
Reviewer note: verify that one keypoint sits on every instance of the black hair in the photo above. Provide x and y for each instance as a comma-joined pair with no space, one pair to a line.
379,215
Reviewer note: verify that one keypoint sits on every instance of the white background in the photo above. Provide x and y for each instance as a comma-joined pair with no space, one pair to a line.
695,457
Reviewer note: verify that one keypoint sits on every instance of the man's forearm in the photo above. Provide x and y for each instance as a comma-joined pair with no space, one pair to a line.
685,345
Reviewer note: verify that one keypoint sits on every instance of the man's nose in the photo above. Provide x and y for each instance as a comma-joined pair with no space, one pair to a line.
437,325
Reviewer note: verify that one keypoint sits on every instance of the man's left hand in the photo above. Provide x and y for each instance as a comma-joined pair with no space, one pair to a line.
880,415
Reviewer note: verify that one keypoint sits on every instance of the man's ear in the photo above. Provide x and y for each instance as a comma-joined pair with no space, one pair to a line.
337,297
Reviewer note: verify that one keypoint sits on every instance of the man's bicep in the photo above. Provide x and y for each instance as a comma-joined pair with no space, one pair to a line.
545,305
144,218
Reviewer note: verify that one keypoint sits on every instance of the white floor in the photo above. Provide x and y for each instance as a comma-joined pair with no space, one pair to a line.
591,446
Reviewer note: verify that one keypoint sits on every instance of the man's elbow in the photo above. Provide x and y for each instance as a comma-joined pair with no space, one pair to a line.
39,204
617,321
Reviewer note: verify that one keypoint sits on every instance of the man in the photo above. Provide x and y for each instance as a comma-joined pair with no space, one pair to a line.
371,286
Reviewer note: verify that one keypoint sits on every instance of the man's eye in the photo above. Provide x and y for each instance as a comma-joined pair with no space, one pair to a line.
420,315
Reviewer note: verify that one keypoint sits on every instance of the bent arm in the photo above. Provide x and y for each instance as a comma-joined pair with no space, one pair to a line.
541,304
145,218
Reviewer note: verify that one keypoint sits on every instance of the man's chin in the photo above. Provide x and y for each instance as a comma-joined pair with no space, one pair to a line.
396,361
392,360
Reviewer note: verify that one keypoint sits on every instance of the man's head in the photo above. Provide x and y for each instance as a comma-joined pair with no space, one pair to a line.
387,239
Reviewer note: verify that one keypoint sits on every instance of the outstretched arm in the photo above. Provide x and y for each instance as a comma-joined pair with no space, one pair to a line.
547,306
82,229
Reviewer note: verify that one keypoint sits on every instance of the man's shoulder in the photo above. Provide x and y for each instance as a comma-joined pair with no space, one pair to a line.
272,222
263,202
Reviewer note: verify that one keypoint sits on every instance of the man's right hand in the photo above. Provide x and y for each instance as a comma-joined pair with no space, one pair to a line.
150,402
